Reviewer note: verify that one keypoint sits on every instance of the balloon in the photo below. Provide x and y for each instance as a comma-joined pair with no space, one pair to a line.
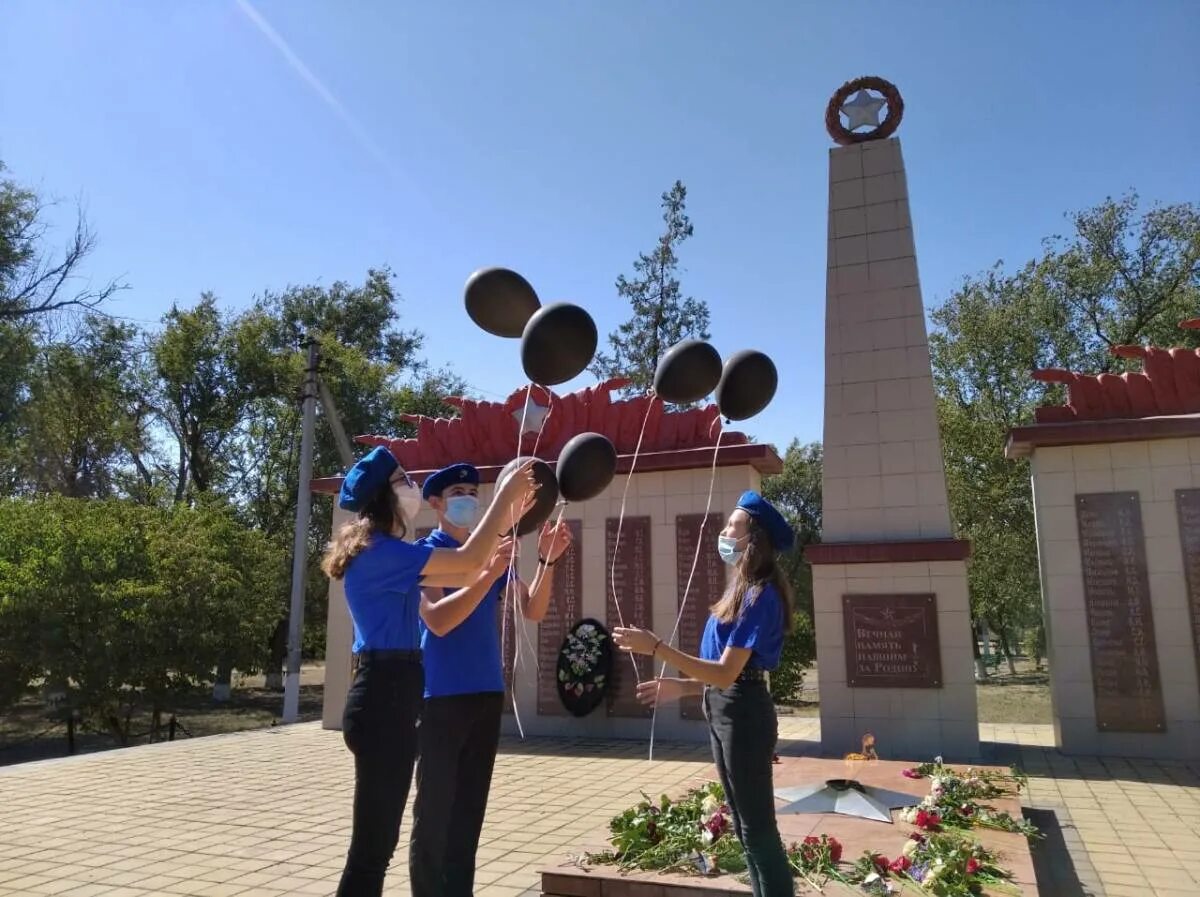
546,496
586,466
688,372
500,301
558,343
747,385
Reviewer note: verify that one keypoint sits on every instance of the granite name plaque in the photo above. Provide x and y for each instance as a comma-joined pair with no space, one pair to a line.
564,611
630,578
1116,593
892,641
1187,504
708,584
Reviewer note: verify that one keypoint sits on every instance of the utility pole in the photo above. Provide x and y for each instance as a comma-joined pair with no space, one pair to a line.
291,681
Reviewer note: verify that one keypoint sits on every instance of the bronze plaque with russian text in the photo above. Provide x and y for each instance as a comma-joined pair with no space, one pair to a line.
892,641
1116,593
630,578
566,604
707,586
1187,504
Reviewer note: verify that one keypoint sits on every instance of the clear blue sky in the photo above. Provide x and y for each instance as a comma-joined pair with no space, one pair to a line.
539,136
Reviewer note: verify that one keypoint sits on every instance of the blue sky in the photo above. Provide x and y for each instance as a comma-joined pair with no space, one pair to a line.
540,135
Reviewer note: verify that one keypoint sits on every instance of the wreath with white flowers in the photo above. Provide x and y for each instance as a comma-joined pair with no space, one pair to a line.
584,667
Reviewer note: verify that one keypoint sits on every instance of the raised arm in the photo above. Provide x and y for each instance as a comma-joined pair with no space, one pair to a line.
553,542
442,613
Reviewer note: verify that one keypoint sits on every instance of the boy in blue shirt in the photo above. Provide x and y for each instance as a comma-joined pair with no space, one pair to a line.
459,732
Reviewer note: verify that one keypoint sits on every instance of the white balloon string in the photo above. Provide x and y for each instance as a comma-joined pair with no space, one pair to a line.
712,482
509,609
612,573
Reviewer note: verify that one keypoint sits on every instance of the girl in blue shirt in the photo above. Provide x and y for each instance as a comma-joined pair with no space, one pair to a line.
381,572
742,642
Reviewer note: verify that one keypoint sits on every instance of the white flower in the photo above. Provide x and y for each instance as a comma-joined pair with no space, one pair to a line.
908,815
935,783
910,848
710,805
938,760
938,792
707,837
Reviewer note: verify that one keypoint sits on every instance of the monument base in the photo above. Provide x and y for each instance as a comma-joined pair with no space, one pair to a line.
577,878
894,653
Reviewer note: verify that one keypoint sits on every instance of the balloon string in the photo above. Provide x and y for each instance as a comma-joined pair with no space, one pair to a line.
509,602
612,573
712,482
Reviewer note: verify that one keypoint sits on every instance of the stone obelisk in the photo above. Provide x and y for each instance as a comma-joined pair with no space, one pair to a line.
889,579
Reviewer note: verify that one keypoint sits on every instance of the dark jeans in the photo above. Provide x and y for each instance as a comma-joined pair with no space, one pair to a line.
459,736
743,729
380,728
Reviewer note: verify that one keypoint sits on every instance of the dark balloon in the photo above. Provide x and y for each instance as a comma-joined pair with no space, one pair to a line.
500,301
586,466
547,494
747,385
558,343
688,372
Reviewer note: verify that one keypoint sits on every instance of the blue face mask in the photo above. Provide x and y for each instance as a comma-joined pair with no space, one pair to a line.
727,548
462,510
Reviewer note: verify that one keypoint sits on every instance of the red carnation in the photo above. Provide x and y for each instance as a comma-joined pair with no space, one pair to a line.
881,863
973,866
900,864
967,809
918,837
928,821
911,774
835,850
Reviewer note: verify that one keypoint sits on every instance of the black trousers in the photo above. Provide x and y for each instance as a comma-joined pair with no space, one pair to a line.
459,736
380,728
743,730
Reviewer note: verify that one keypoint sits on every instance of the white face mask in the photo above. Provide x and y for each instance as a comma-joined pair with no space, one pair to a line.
409,497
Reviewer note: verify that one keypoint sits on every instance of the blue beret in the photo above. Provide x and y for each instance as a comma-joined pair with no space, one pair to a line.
441,480
780,531
372,471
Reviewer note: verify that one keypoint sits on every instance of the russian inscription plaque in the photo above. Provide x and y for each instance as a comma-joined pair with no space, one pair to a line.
561,615
708,584
630,578
1116,592
892,641
1187,504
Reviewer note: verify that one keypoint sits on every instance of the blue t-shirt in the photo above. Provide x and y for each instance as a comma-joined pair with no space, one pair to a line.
466,660
758,627
380,591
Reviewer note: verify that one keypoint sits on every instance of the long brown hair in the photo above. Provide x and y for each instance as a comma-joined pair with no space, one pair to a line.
381,515
756,568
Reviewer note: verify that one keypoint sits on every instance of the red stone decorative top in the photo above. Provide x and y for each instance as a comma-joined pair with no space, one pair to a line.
486,432
1168,384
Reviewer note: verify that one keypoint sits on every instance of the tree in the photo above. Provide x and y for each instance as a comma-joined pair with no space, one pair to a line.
121,607
796,491
661,314
1120,278
33,281
78,426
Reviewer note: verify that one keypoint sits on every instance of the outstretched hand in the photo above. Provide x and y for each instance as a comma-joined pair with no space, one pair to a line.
659,691
636,641
554,540
501,558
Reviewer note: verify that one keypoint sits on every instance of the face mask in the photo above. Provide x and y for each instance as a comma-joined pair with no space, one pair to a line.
410,502
462,510
727,548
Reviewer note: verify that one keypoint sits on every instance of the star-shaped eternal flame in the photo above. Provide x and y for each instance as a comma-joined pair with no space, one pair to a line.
863,110
532,414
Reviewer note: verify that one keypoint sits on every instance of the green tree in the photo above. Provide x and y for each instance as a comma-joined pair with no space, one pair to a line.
661,314
1121,277
796,491
78,426
35,282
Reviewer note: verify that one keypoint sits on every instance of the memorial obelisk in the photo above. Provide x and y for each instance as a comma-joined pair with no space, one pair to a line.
892,612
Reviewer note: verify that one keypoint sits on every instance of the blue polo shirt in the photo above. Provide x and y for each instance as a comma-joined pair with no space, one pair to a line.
381,591
466,660
758,627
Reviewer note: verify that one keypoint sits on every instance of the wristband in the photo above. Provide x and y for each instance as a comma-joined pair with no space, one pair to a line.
657,645
546,563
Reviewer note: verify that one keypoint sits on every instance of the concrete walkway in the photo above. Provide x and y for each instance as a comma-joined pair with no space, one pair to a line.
266,813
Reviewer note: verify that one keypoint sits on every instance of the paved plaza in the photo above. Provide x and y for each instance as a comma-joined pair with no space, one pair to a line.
266,812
